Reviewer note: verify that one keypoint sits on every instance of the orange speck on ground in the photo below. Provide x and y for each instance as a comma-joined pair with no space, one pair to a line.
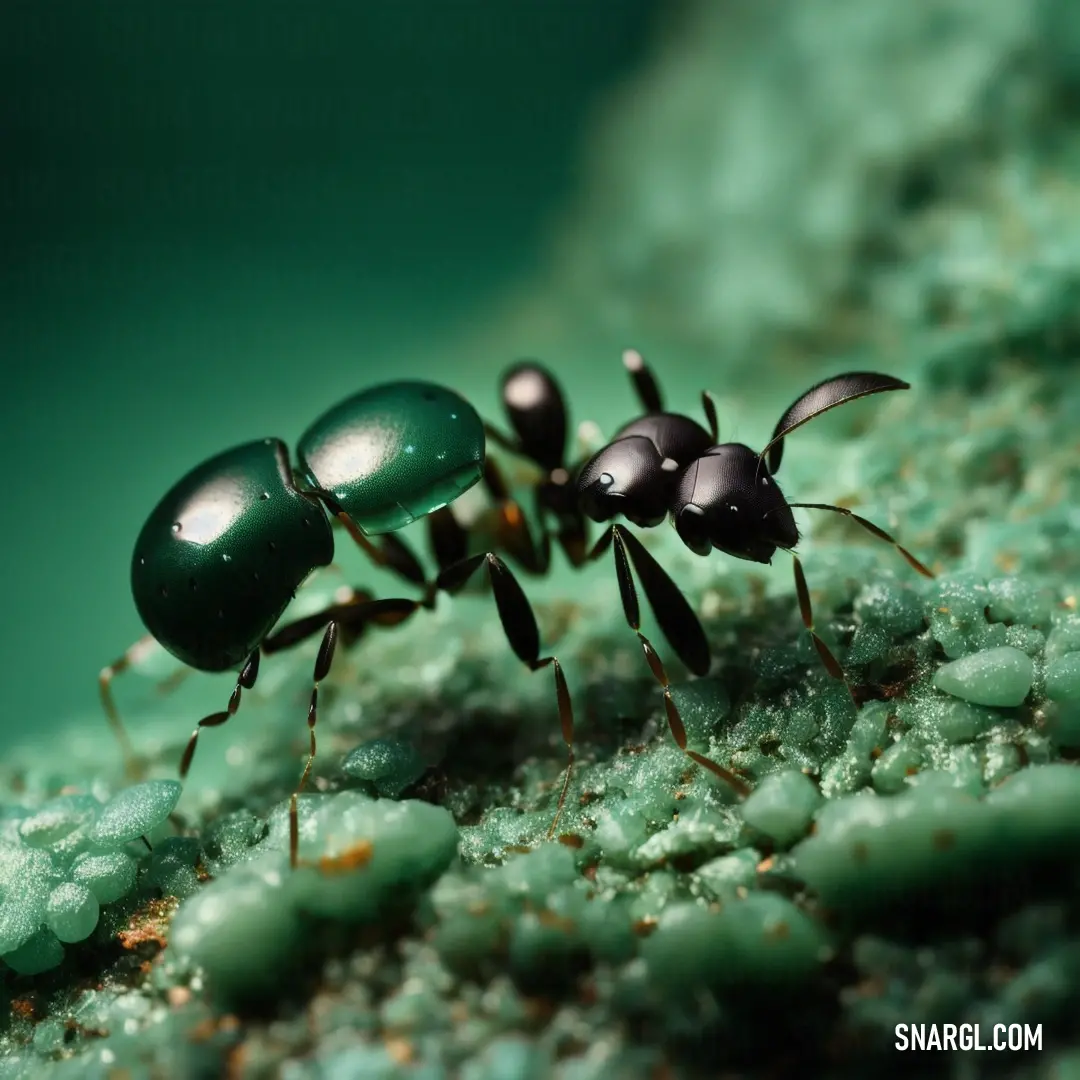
352,858
24,1008
400,1050
150,924
556,921
943,839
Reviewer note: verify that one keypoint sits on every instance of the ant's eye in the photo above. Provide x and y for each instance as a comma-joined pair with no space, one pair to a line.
606,480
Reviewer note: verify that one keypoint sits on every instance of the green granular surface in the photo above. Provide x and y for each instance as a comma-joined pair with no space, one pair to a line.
389,765
134,812
1000,676
910,852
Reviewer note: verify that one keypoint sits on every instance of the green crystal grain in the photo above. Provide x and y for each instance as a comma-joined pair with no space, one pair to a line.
108,877
25,878
73,912
1063,678
58,818
999,677
388,764
40,952
134,812
781,806
899,762
761,941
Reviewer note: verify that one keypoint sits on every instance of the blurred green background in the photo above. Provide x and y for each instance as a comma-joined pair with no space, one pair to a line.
217,220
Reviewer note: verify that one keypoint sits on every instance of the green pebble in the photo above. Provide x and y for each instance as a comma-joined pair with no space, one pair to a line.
41,952
464,939
134,812
1064,637
698,830
404,846
999,677
867,643
950,720
510,1057
546,953
893,607
964,594
535,875
108,877
762,941
73,912
25,880
172,866
57,819
989,636
782,806
1026,639
1002,760
899,762
619,831
949,635
390,765
242,930
1015,600
703,704
1063,678
724,876
1042,805
869,848
608,930
851,768
1062,723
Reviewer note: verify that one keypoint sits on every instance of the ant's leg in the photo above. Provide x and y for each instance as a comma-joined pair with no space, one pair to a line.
678,729
352,615
832,665
873,529
708,403
519,625
390,552
133,655
670,606
245,681
645,384
347,619
677,619
503,442
322,669
506,528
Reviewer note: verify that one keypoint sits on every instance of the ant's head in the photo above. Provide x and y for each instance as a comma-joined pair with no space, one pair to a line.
630,477
728,500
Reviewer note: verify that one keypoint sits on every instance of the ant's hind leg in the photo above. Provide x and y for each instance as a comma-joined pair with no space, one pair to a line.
832,665
645,385
133,656
677,621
